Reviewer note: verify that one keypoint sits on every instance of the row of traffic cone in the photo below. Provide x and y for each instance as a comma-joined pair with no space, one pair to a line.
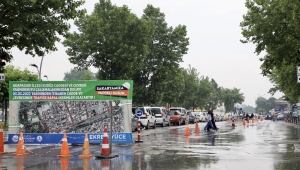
187,129
65,152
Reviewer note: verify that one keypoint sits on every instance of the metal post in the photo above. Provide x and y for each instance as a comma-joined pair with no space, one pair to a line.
110,131
40,72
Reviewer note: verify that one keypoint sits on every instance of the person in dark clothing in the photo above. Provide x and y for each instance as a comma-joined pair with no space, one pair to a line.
247,116
213,119
252,116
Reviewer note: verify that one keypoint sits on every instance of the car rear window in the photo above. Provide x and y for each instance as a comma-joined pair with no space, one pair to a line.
155,110
175,110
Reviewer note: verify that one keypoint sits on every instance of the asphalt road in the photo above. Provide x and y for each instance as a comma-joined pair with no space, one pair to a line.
263,145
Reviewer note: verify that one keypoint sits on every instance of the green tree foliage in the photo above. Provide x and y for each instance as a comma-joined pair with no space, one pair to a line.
273,26
265,104
35,25
111,39
83,74
249,109
166,46
13,73
230,97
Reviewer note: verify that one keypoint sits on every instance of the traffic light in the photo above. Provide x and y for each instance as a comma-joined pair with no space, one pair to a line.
2,57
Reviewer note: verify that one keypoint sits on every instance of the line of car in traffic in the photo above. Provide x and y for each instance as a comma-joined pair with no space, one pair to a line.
153,116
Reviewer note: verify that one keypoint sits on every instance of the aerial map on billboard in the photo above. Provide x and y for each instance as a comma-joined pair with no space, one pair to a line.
46,109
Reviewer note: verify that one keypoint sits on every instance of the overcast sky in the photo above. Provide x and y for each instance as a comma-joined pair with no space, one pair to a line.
214,50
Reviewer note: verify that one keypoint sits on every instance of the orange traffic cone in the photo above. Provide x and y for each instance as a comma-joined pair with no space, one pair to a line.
187,130
64,152
197,131
21,147
86,163
86,153
64,163
1,141
105,146
233,124
244,122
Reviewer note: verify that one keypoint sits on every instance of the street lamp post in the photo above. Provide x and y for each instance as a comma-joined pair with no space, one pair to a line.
46,77
34,65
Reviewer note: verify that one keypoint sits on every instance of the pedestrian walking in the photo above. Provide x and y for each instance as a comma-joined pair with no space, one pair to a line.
295,117
209,121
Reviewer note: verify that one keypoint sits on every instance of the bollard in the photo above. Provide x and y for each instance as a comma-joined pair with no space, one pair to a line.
139,132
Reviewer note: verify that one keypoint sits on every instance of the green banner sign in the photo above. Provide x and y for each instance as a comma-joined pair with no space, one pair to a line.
70,90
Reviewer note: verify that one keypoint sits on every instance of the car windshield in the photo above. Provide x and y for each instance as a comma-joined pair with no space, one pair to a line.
155,110
189,113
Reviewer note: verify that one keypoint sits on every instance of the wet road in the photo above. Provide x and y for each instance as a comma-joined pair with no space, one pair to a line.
263,145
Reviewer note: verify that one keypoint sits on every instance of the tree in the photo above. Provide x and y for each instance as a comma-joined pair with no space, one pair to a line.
166,46
249,109
274,27
75,74
266,104
230,97
111,39
35,25
13,73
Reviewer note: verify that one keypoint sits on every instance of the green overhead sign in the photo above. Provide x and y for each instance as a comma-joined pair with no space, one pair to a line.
70,90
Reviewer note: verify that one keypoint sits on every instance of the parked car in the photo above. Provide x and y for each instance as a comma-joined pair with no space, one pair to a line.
134,122
182,111
199,116
162,116
268,117
191,117
148,118
176,117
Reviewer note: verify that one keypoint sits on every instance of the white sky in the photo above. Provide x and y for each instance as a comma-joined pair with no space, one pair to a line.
214,50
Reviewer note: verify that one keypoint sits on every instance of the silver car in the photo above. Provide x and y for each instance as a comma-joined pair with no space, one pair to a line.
162,116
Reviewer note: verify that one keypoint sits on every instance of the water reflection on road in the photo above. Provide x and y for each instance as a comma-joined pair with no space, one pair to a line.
263,145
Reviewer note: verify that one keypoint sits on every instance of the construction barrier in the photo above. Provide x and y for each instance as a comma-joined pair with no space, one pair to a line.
1,141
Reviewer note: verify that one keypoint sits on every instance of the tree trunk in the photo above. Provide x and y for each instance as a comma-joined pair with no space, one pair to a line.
2,110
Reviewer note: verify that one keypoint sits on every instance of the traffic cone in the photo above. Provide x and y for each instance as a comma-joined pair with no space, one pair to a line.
64,163
86,153
105,146
105,151
187,130
1,141
64,152
233,124
86,163
21,147
197,131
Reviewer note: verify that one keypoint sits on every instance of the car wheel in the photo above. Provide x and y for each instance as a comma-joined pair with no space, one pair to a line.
154,126
136,129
